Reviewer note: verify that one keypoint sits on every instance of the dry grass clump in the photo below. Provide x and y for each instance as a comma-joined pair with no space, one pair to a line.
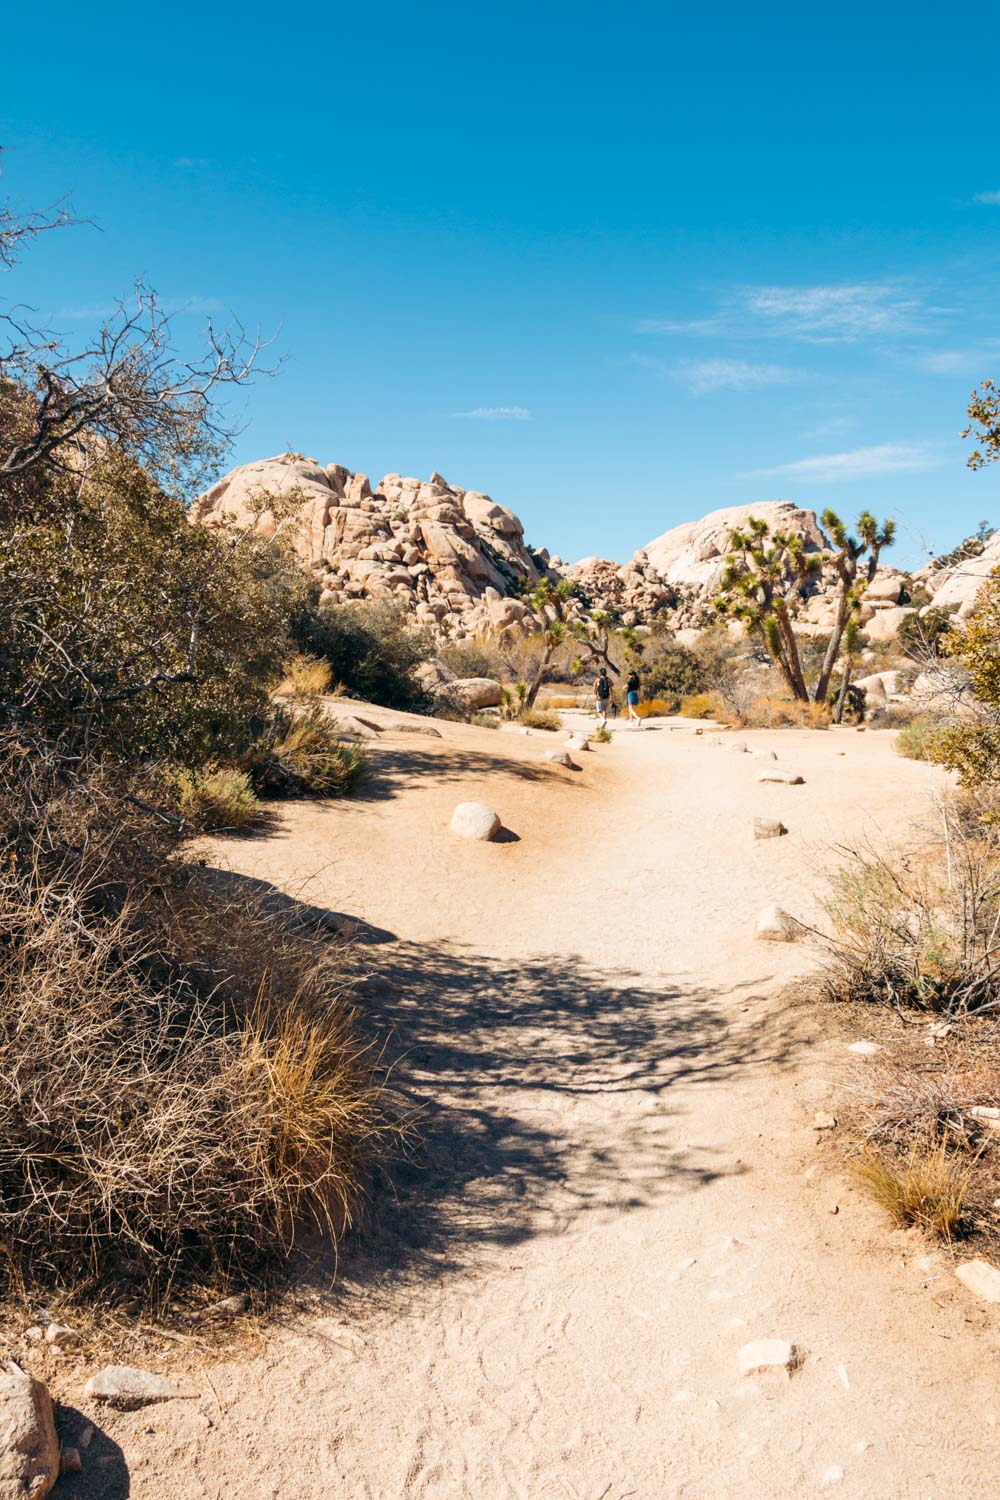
767,712
307,758
919,928
305,677
562,700
919,739
170,1107
927,1186
216,799
655,708
539,718
702,706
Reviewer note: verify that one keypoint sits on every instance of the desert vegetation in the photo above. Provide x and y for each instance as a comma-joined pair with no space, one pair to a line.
184,1086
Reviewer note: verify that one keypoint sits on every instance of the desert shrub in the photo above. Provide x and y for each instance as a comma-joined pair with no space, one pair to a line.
651,708
765,712
484,720
920,637
372,650
602,735
920,738
895,1103
927,1186
671,672
211,1099
304,677
303,756
917,927
539,718
471,659
701,706
214,799
561,700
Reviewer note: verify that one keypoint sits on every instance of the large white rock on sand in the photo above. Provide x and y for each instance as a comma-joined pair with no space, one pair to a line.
884,626
979,1277
766,1354
29,1451
474,693
695,552
474,820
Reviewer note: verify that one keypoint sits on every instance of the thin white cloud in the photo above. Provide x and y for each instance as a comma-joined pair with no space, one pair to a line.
704,376
99,312
700,327
857,463
191,163
832,313
496,414
992,197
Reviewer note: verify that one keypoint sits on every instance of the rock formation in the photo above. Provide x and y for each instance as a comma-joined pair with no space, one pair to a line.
457,560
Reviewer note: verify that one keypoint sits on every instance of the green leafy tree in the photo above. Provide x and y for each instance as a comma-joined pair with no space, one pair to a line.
768,573
983,412
970,745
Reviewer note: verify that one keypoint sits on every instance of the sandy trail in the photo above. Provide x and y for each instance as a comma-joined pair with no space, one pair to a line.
620,1184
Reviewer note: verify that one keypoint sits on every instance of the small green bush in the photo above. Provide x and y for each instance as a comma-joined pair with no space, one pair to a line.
214,799
471,659
921,738
372,650
671,672
602,735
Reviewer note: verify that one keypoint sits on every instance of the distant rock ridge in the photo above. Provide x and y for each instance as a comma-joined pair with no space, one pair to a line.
456,559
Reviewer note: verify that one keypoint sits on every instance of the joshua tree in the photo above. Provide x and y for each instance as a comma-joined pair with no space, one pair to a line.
767,574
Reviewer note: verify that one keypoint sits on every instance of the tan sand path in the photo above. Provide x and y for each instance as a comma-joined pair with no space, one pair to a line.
620,1185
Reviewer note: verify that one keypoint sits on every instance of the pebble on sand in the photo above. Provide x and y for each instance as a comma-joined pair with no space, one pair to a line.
786,778
823,1120
775,926
766,1354
768,828
474,820
562,758
864,1049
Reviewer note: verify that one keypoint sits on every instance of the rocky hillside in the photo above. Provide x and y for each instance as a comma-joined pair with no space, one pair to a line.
457,560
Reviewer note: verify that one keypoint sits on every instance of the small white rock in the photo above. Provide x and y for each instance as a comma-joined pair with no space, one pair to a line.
775,926
786,778
864,1049
768,828
474,820
578,742
61,1336
823,1120
980,1278
766,1354
561,758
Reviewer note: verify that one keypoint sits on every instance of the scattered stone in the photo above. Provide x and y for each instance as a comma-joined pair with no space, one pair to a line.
980,1278
833,1208
474,820
34,1334
86,1437
775,926
699,731
768,828
473,693
561,758
765,755
231,1307
766,1354
578,742
741,749
126,1388
864,1049
70,1461
61,1336
823,1120
29,1452
787,778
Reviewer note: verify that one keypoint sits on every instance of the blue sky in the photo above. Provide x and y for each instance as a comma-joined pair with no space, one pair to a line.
614,265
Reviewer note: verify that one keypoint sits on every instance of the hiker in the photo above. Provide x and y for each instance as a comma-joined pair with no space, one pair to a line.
632,698
602,695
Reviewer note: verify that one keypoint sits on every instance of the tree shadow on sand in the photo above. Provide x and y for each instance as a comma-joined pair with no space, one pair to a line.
392,769
543,1092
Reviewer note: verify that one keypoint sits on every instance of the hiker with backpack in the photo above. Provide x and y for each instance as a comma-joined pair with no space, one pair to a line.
602,695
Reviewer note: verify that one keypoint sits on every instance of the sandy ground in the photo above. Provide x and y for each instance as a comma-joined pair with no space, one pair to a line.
620,1184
